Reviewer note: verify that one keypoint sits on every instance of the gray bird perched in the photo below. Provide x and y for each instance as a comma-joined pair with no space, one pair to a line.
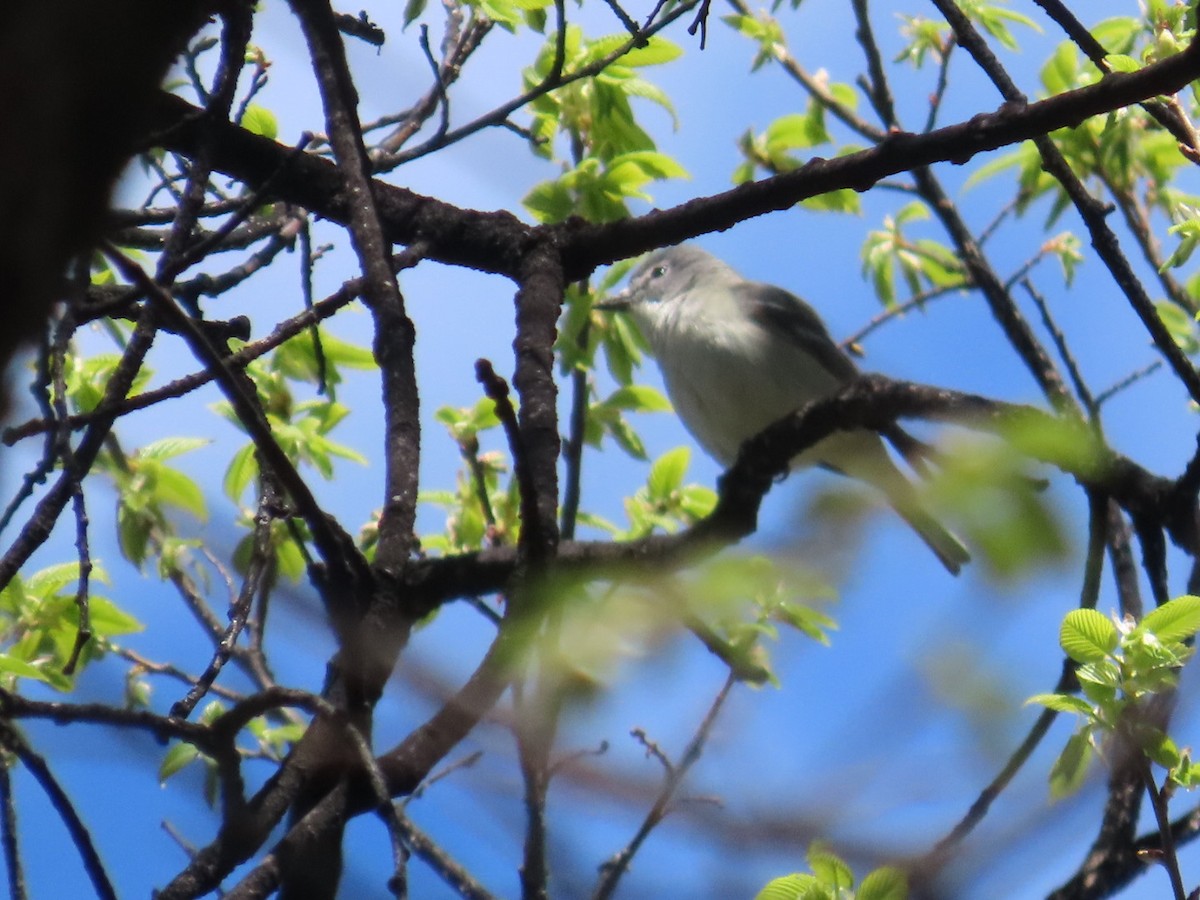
737,355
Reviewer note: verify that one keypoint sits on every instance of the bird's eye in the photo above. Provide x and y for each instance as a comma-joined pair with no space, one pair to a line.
659,272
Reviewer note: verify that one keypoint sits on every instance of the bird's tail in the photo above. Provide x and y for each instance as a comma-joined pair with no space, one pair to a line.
862,455
941,541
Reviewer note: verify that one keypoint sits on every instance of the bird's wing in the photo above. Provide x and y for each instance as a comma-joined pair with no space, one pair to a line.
784,313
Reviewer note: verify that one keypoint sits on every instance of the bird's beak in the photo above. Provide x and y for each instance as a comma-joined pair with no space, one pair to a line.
619,301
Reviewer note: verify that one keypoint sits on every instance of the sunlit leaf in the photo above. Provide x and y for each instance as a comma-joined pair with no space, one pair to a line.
666,475
797,886
1175,620
1087,635
260,121
1062,703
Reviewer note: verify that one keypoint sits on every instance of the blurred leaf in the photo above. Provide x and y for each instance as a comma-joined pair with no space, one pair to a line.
1119,62
828,867
797,886
658,50
638,398
1070,769
413,10
666,475
242,470
885,883
1063,703
108,619
20,668
177,758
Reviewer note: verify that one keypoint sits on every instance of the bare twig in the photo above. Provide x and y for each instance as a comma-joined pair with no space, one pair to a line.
8,838
614,868
80,836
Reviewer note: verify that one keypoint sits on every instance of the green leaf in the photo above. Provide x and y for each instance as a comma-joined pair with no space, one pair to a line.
653,164
1119,62
292,563
1069,770
885,883
1062,703
1159,747
108,619
666,475
658,50
840,201
1186,773
168,448
18,667
175,759
1100,681
829,867
639,87
697,501
343,353
133,534
261,121
796,131
413,9
1087,635
549,202
1180,324
1175,620
1061,73
844,94
243,469
797,886
638,398
53,579
174,488
1118,34
626,437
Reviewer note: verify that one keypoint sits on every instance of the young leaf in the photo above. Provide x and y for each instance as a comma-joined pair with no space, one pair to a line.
260,121
829,867
176,759
885,883
12,666
1069,769
666,475
1175,620
1087,635
797,886
1062,703
413,9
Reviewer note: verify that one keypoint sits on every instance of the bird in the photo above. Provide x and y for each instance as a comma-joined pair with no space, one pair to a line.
737,355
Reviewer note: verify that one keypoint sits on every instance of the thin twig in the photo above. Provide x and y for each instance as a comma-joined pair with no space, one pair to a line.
553,81
940,854
261,559
613,869
1064,352
457,876
1091,210
8,837
80,836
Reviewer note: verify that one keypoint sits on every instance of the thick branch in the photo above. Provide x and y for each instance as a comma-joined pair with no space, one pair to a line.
496,241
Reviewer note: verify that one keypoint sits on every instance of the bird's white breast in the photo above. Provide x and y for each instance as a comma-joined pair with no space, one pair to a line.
729,377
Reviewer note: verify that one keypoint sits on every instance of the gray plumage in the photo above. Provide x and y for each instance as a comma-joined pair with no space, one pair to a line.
737,355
